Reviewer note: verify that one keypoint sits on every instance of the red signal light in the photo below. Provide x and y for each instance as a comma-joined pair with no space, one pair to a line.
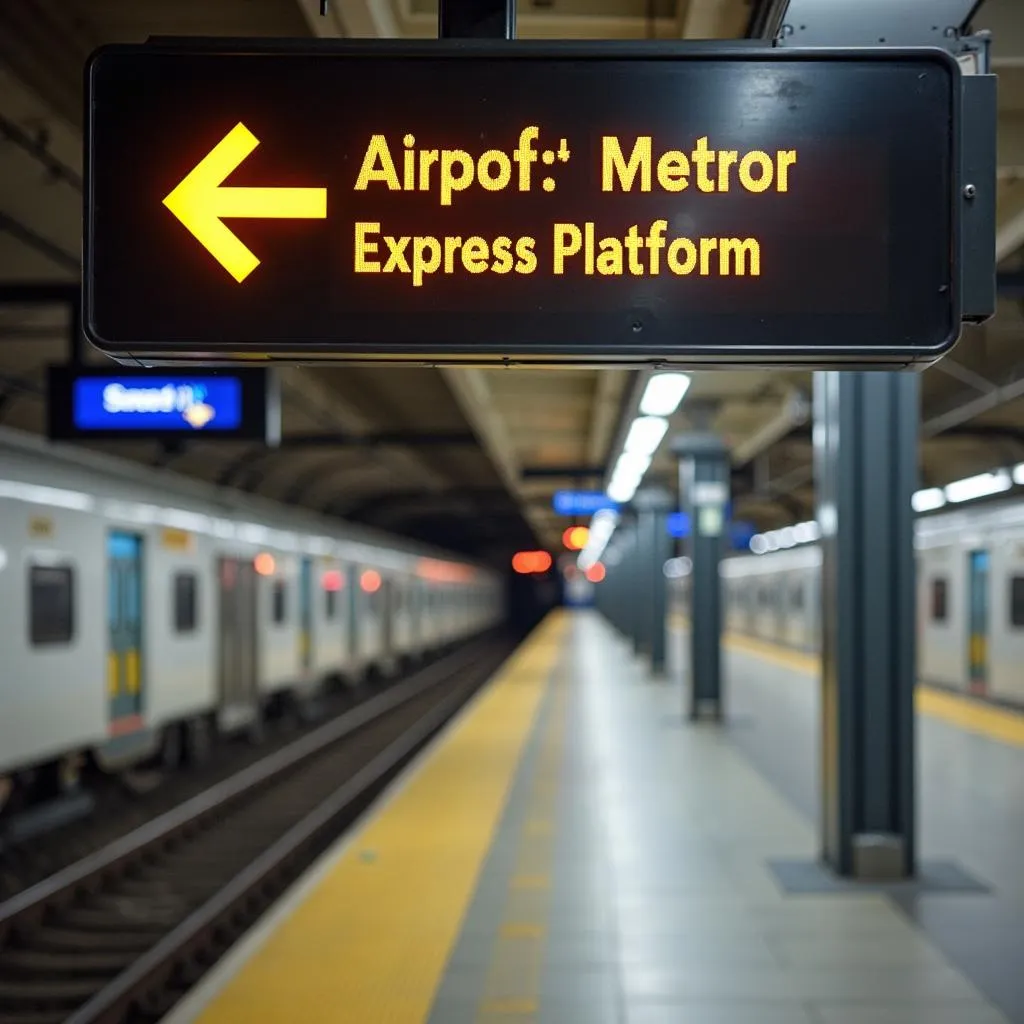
333,580
526,562
370,581
596,572
263,563
575,538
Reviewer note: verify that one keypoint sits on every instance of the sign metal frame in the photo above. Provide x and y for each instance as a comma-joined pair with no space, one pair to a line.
238,351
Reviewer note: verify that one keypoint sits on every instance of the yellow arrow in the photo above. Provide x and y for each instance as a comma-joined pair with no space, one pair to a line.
201,202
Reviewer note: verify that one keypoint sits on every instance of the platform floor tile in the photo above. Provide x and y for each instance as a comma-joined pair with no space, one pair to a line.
629,883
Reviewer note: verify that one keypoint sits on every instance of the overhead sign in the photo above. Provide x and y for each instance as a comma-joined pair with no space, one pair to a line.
581,503
136,403
527,202
677,524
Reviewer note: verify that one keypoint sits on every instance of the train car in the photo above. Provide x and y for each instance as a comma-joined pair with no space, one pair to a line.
970,598
775,600
147,614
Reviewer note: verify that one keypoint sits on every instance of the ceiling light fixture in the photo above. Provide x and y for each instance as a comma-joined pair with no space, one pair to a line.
663,393
978,486
928,499
645,434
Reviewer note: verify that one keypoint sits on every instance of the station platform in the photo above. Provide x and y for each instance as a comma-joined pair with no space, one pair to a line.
571,851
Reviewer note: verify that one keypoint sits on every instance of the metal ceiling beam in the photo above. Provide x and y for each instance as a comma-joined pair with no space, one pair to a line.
304,481
560,472
983,432
394,438
602,415
246,470
33,240
794,412
412,499
473,394
951,368
38,148
968,411
332,414
11,387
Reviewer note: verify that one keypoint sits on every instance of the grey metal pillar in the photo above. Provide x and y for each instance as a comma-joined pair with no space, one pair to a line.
865,464
635,606
704,493
653,506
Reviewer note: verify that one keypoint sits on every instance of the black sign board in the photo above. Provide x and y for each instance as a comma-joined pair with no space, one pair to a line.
171,405
486,201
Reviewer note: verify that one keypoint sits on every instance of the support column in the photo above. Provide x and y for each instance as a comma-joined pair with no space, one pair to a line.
653,506
634,584
865,465
704,492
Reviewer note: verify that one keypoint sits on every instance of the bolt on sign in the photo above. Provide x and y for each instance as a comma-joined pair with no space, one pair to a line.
522,203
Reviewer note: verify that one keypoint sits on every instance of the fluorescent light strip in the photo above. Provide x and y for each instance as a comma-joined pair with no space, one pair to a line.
928,499
786,537
645,435
663,394
925,500
978,486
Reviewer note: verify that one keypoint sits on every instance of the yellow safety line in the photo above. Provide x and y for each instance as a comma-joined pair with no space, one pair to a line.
512,985
972,715
797,661
961,710
370,941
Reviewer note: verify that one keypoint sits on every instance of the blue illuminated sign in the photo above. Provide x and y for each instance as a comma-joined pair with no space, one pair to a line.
677,524
581,503
159,403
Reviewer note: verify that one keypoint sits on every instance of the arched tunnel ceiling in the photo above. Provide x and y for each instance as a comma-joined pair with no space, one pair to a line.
466,458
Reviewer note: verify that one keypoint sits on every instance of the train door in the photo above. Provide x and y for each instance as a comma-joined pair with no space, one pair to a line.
124,626
236,636
977,598
352,612
388,605
306,614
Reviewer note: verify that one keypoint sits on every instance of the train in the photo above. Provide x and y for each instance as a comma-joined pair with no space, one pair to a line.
148,615
970,599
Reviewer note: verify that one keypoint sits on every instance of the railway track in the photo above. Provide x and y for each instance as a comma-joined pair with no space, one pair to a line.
117,807
123,933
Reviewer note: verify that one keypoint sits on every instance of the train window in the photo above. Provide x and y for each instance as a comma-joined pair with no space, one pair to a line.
1017,601
186,599
280,601
51,604
330,603
939,609
796,597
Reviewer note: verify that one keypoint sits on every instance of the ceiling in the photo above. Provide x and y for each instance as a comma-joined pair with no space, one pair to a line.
465,458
